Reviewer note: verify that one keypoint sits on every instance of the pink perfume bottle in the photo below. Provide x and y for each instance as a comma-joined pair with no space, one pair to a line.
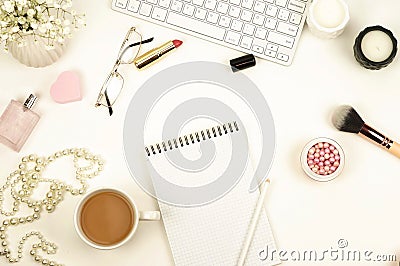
17,123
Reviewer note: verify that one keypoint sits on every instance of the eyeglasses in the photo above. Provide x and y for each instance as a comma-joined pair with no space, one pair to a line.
114,82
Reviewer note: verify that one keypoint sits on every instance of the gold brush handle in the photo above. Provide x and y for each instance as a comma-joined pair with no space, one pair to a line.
395,149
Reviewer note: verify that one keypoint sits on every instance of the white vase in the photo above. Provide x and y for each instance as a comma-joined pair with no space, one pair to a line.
35,54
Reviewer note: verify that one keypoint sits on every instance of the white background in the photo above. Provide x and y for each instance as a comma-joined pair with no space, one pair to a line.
361,205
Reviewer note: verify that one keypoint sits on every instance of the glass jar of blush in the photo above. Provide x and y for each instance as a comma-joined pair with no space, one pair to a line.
322,159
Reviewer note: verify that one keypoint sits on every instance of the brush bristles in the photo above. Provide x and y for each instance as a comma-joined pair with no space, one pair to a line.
345,118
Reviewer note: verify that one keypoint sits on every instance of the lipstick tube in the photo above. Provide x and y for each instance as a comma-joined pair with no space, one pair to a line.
156,53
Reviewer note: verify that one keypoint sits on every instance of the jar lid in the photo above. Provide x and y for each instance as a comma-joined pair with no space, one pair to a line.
242,62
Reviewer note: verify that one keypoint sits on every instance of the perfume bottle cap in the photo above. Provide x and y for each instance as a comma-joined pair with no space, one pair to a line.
30,101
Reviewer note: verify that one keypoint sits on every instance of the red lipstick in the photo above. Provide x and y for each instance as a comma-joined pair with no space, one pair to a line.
156,53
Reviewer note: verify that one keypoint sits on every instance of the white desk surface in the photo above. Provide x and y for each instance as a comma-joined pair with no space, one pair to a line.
360,206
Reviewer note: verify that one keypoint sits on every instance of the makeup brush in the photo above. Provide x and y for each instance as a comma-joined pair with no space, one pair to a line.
347,119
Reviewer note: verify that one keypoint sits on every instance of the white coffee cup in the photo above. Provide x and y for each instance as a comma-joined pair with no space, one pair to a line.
137,216
328,18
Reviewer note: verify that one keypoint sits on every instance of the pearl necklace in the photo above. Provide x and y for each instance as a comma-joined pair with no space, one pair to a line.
22,184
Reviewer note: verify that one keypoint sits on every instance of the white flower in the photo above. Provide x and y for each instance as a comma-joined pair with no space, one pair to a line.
8,6
66,30
31,12
21,18
34,25
48,26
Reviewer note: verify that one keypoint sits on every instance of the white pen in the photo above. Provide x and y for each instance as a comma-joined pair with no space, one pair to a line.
253,224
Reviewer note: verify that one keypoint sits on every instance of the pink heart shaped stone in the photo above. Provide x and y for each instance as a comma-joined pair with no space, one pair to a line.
67,88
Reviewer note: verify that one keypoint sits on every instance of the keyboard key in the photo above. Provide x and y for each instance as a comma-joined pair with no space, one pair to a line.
281,3
133,6
283,14
247,4
198,2
260,33
270,23
200,13
232,37
145,9
152,1
246,15
249,29
164,3
237,25
177,6
212,17
270,53
282,57
159,14
271,11
246,42
296,6
259,7
258,19
280,39
222,7
234,11
224,21
269,1
210,4
258,49
287,28
196,26
121,3
234,2
295,18
188,10
272,47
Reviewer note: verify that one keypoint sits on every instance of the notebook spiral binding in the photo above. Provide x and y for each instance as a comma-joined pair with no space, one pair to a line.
192,138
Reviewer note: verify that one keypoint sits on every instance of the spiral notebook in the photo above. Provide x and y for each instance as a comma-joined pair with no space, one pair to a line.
211,234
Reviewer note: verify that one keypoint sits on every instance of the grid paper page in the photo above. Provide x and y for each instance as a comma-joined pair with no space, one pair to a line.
214,234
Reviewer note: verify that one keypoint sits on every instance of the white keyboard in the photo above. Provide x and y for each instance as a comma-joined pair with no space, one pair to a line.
269,29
